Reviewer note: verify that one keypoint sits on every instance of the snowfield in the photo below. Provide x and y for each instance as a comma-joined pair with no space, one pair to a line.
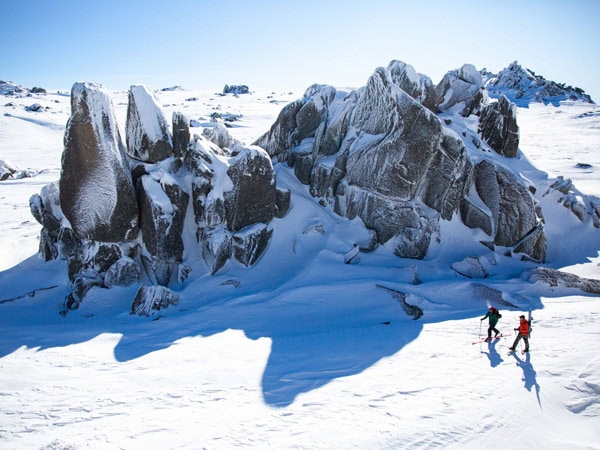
300,351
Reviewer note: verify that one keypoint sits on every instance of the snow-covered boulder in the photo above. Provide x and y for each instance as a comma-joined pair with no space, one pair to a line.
96,191
55,239
163,206
418,86
150,299
219,135
461,89
7,170
471,267
147,130
498,127
216,247
124,272
250,243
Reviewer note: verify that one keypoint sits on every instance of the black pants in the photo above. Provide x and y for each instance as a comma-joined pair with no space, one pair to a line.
492,328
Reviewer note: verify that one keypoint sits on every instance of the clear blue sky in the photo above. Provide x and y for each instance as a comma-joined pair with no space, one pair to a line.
290,44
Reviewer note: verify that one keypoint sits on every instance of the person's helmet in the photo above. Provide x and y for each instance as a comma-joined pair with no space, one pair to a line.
491,308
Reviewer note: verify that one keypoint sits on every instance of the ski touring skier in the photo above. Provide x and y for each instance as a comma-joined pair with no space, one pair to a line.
524,327
494,315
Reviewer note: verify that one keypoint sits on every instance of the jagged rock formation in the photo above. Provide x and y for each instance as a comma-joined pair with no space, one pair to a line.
523,86
379,154
119,217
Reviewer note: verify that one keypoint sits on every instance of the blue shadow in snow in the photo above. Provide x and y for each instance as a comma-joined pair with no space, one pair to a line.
314,340
529,375
492,354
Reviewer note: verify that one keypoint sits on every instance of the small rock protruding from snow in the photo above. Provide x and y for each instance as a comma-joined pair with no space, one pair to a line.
471,267
555,278
124,272
150,299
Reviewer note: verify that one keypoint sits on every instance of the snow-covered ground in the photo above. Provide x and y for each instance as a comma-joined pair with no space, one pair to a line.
302,350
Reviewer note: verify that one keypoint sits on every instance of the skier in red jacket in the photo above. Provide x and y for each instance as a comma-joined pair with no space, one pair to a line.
523,334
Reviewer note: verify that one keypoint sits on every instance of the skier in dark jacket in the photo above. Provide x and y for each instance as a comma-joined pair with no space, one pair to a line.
524,328
494,316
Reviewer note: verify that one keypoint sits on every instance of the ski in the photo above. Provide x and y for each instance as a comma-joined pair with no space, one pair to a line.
493,339
523,352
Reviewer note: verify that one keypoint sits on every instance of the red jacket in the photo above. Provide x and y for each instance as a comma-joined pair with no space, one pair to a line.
524,327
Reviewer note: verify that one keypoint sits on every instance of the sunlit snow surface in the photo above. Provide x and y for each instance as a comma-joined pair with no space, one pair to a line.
302,350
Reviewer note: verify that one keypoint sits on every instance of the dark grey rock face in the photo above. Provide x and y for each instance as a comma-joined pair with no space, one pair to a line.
512,208
181,134
148,136
96,191
252,197
498,127
283,135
